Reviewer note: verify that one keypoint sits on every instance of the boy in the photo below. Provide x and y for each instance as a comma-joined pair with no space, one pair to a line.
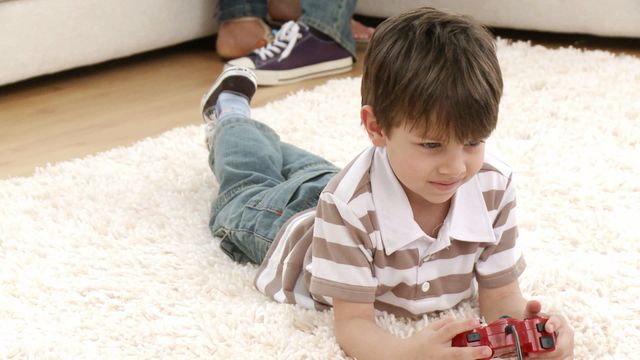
411,224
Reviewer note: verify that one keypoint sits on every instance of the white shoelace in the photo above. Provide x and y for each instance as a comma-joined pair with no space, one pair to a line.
285,39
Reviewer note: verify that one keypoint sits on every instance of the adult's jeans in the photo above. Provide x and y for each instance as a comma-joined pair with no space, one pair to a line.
263,182
331,17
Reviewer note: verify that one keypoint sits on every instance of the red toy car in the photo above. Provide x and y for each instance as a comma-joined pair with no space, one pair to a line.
509,337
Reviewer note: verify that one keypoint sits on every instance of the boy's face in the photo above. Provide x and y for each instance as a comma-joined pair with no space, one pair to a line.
429,169
432,169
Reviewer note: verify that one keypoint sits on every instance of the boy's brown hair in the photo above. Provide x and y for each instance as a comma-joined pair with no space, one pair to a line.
433,71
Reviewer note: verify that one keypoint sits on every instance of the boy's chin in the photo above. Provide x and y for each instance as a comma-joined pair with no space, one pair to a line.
437,200
429,197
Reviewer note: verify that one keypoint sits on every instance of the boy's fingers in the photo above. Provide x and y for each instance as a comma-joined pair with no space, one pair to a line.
564,347
532,308
550,327
558,322
439,324
553,324
477,352
450,330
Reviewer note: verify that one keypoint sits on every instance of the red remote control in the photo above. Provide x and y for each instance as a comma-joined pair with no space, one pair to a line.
500,337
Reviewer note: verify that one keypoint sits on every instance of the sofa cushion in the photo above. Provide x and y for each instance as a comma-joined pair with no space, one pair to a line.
596,17
45,36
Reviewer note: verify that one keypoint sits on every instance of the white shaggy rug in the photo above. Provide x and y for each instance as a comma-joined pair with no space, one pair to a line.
110,256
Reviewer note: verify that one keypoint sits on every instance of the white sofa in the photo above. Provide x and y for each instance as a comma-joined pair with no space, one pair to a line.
614,18
39,37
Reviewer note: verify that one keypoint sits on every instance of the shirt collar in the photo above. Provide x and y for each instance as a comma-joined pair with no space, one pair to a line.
467,220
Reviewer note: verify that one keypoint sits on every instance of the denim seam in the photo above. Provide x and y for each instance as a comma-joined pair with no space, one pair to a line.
251,9
348,43
308,203
313,201
223,199
240,245
240,121
250,232
225,230
271,210
320,165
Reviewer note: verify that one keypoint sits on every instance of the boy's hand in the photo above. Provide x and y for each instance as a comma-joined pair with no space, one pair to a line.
556,323
434,341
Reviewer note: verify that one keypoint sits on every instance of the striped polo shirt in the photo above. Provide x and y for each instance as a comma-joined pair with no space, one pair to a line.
361,243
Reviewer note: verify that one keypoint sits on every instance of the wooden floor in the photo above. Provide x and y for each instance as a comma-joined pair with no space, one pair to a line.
80,112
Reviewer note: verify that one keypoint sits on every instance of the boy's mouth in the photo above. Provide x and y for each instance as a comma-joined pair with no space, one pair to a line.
445,185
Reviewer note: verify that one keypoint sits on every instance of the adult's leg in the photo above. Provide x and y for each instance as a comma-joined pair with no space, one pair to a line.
241,27
232,9
333,18
285,10
322,46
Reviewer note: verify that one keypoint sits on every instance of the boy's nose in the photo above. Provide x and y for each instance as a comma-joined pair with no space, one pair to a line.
453,166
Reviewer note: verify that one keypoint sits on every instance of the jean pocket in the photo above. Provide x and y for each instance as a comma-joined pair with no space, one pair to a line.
293,195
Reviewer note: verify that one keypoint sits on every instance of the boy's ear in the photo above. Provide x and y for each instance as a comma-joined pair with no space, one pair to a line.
368,120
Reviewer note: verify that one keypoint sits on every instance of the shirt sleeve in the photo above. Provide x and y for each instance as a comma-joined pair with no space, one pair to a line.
502,262
341,265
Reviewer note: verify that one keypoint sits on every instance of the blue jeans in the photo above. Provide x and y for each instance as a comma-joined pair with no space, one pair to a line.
331,17
263,182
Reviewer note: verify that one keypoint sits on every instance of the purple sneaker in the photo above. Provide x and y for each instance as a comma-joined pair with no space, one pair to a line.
294,55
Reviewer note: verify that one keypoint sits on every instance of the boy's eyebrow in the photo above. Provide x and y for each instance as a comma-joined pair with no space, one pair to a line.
445,141
432,138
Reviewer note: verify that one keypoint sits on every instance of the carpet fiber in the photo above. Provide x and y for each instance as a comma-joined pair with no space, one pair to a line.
110,256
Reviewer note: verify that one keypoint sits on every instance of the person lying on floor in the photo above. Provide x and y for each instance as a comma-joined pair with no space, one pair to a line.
415,224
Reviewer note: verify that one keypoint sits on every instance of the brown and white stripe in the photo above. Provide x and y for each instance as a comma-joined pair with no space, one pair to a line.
339,250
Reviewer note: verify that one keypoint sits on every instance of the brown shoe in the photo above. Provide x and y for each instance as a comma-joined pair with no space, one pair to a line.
240,36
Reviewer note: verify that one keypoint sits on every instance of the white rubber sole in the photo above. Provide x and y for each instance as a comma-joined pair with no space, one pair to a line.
281,77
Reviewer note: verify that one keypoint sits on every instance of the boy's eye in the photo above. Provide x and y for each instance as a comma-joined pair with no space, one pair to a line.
431,145
474,142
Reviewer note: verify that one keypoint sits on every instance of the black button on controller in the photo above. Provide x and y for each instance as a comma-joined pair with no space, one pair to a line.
547,342
473,337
